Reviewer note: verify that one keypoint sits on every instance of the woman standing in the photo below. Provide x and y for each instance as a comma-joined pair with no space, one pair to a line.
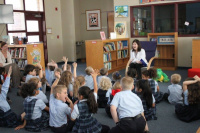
138,57
6,61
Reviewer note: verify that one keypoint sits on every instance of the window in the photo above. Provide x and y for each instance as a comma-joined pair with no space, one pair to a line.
17,4
141,21
19,22
164,18
189,18
181,17
34,5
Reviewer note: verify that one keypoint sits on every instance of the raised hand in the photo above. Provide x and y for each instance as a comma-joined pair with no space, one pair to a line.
65,59
57,75
9,71
74,65
95,73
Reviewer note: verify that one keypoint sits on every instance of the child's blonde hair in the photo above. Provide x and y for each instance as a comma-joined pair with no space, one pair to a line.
175,78
127,83
58,70
58,89
68,67
66,78
103,71
105,83
116,85
77,84
34,80
89,70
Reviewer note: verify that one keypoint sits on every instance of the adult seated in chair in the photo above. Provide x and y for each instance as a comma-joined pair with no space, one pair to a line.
6,62
139,57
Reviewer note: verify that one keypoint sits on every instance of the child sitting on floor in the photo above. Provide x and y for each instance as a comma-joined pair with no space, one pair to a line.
190,111
116,77
36,119
148,101
79,81
7,117
174,91
104,85
88,78
127,110
103,73
30,72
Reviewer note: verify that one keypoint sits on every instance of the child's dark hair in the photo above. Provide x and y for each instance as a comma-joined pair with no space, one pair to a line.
103,71
37,69
28,89
28,68
152,73
193,92
51,68
88,94
116,75
146,91
2,69
132,72
145,73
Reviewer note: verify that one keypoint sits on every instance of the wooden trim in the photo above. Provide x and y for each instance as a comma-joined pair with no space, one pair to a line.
131,21
152,19
176,17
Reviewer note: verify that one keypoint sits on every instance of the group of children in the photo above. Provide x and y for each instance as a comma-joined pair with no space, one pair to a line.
74,99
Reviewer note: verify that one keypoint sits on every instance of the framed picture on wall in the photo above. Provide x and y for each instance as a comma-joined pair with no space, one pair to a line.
121,11
120,29
93,19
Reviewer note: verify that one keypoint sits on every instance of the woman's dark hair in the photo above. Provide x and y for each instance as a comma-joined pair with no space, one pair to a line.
2,44
88,94
146,91
29,68
28,89
152,73
193,92
132,72
2,69
138,43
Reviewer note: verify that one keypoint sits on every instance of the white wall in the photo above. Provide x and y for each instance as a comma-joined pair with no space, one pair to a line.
184,43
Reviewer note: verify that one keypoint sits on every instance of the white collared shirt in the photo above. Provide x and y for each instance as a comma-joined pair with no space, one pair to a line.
137,57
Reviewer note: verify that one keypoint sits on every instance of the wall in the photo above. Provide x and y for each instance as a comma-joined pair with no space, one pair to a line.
184,43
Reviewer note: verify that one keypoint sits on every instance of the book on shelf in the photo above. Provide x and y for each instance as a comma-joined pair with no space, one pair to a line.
108,65
107,57
122,54
109,47
17,52
122,44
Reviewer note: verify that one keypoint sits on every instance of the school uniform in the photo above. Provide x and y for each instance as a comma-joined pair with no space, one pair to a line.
157,95
7,117
129,109
85,123
187,112
58,115
37,120
51,77
102,99
135,85
28,77
149,112
89,82
42,96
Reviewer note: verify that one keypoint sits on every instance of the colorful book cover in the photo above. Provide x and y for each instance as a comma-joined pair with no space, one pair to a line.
143,63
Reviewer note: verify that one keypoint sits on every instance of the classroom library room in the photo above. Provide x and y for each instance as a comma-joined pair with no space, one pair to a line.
100,66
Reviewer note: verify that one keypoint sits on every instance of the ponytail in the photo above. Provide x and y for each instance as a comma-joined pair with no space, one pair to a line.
88,94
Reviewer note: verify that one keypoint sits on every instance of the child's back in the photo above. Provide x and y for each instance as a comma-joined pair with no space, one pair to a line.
175,92
88,78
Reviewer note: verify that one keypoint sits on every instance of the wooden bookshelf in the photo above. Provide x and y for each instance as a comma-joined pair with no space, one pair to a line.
27,54
111,53
195,53
167,51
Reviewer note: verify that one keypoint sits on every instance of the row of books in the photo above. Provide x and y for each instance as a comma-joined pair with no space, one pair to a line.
21,63
122,44
18,52
108,65
109,47
122,54
107,57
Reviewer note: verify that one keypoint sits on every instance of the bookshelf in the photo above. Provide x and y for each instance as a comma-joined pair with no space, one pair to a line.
167,50
195,53
27,54
111,53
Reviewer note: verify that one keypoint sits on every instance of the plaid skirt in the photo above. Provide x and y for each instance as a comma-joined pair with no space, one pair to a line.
38,125
158,96
87,125
9,119
150,114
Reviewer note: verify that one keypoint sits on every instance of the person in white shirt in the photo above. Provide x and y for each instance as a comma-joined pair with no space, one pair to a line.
138,57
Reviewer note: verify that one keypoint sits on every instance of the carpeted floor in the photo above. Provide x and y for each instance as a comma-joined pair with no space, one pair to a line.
166,123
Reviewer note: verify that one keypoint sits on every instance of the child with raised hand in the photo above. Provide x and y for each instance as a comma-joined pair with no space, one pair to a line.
104,85
115,89
58,108
88,78
127,110
51,67
150,75
66,79
174,94
79,82
36,118
7,117
116,76
144,92
190,111
40,95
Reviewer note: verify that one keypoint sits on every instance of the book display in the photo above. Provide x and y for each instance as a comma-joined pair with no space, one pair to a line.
167,50
112,54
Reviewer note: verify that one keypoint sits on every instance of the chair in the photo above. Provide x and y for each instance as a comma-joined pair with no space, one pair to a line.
150,49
